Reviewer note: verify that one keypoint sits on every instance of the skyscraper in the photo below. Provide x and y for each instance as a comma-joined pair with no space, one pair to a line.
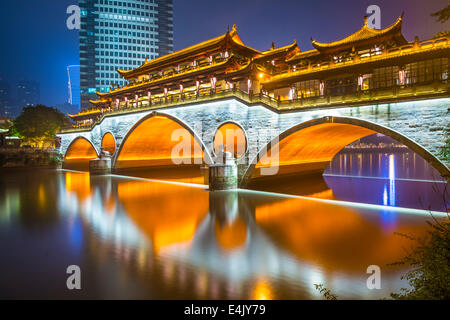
120,34
73,83
5,96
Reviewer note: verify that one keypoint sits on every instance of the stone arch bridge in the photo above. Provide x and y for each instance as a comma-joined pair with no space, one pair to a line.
303,140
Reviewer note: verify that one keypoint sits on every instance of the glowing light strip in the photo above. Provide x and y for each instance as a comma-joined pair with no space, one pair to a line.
353,204
186,184
69,170
282,195
381,178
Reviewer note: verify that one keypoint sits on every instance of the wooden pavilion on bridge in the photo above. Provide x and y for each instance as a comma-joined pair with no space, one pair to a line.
366,66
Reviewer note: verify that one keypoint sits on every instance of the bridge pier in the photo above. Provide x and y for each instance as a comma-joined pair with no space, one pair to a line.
101,165
223,175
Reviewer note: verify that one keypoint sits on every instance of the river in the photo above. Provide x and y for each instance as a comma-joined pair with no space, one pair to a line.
139,238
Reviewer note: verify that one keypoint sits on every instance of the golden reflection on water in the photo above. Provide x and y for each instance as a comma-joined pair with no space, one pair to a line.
322,238
336,237
231,236
182,173
262,290
42,199
166,213
79,183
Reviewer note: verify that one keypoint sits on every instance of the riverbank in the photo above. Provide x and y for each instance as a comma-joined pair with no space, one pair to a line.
29,158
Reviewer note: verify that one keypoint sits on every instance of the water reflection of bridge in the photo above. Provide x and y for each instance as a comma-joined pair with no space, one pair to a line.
233,244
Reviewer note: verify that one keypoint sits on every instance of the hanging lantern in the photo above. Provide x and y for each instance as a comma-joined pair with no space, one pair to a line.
322,88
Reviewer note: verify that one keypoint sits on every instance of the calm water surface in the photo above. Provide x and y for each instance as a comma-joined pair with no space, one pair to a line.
138,238
394,179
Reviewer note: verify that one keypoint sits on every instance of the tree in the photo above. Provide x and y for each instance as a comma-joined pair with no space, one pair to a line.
442,16
38,125
327,294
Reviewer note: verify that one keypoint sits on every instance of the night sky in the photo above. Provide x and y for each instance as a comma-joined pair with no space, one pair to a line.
36,45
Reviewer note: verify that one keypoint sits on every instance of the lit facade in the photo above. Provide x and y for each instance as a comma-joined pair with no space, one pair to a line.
120,34
369,65
73,84
5,96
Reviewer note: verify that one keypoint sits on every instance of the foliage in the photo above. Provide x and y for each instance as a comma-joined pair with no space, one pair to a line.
55,160
442,16
445,150
429,277
5,125
326,292
38,124
21,157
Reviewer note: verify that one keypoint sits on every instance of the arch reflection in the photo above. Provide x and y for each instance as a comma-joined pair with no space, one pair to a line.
186,242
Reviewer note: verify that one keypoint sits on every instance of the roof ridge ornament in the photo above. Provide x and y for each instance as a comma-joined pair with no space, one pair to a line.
365,33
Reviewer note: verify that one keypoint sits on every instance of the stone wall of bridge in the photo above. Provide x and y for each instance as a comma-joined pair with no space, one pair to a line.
425,122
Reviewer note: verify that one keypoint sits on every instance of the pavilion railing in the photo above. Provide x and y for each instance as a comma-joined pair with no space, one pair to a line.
379,95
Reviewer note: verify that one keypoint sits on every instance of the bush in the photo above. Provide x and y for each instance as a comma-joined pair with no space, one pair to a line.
430,274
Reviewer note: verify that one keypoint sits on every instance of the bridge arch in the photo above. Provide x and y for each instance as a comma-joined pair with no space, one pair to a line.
141,148
109,142
240,142
309,146
79,152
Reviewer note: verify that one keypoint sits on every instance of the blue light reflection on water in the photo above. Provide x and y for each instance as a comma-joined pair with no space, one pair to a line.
396,179
76,234
389,192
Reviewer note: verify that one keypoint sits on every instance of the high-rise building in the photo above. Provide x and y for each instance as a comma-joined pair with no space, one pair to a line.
28,93
165,27
120,35
73,83
5,96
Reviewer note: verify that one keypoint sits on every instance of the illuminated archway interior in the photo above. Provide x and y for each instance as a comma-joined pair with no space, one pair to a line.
159,141
108,143
79,153
233,137
308,150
